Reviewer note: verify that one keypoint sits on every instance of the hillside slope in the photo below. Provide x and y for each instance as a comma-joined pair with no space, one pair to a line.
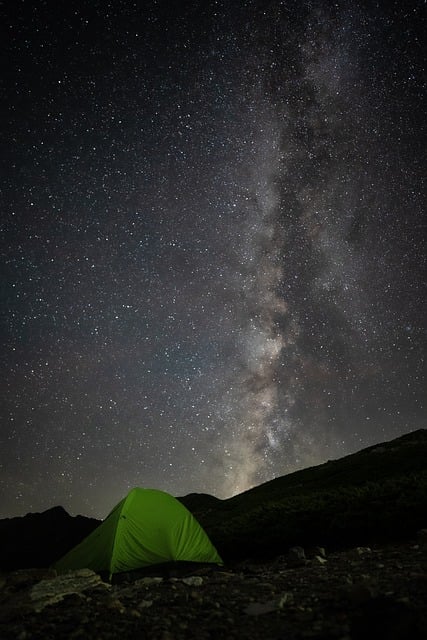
377,494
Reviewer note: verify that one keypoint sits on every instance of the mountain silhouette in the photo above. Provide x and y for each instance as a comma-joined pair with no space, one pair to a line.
378,494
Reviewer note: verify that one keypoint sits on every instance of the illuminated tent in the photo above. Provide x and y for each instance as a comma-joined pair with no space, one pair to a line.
147,527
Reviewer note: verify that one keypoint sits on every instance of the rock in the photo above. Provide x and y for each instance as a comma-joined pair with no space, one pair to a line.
296,557
285,599
359,593
319,560
260,608
148,581
193,581
145,604
53,590
361,551
265,585
320,551
116,605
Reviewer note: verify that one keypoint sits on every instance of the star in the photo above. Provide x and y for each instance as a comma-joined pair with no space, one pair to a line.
212,244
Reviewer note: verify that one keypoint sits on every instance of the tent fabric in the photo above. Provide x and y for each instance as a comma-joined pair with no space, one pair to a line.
147,527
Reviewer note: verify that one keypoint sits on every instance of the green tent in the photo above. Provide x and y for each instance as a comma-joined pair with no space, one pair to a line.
147,527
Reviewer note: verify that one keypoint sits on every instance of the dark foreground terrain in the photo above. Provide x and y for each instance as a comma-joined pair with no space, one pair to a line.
362,593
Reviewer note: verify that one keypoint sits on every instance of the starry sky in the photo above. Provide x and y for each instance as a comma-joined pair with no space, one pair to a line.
213,268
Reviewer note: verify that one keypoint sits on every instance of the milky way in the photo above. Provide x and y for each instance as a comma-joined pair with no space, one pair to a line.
212,243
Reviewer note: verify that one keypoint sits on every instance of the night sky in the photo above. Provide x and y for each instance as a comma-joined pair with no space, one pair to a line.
213,266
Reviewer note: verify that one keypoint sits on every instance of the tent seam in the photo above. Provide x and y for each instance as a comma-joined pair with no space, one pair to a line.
115,538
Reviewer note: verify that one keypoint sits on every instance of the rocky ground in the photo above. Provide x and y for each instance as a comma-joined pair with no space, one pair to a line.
378,592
